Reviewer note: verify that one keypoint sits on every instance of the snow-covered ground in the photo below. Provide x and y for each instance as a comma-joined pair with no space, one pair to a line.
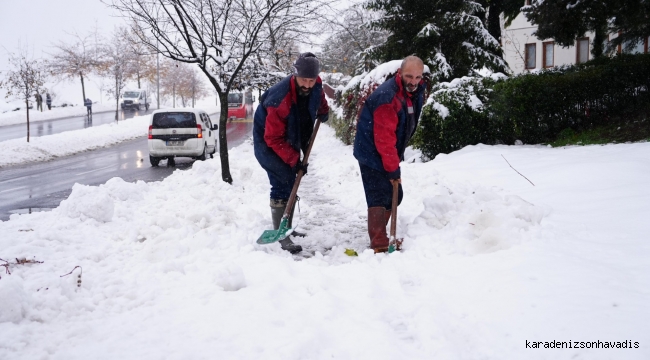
491,263
43,148
20,116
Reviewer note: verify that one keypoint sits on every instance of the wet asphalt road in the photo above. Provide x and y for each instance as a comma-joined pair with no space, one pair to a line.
55,126
42,186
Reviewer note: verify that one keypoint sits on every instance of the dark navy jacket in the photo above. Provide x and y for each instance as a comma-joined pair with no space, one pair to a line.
276,127
384,128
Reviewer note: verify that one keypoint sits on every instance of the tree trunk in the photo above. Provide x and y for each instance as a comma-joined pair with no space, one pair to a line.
27,108
138,80
493,20
599,39
223,141
117,99
83,89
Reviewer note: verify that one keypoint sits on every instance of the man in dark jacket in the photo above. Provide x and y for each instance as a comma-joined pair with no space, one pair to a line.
388,120
39,101
89,106
48,101
283,125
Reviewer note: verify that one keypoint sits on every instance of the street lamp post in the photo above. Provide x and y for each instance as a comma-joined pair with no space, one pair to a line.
158,77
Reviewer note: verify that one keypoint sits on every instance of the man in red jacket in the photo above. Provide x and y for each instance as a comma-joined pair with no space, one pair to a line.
387,122
283,125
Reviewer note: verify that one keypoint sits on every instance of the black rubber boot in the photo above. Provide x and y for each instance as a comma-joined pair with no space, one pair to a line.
277,211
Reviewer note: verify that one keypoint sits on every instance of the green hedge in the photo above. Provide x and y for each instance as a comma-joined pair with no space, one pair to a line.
537,107
534,108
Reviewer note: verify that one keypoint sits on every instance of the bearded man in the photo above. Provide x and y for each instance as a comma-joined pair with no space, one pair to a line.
387,122
283,125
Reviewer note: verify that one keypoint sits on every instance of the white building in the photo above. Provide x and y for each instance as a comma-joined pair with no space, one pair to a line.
525,52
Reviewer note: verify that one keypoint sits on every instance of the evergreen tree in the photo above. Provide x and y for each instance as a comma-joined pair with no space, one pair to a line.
449,35
632,20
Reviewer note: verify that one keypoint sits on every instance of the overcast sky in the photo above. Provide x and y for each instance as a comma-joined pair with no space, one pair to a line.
37,24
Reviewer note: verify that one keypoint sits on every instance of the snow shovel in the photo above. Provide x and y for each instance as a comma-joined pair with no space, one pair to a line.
271,236
394,244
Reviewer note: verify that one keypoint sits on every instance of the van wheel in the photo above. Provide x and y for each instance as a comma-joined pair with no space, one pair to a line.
154,161
205,153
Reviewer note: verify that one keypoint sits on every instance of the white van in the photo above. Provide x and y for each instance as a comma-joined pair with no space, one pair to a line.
181,133
134,99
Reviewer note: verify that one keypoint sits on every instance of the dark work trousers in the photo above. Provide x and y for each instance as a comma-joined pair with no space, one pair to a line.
281,187
378,189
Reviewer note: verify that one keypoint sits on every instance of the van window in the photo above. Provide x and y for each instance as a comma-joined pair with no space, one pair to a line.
174,120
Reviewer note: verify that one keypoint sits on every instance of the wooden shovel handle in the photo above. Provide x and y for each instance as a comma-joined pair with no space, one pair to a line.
294,191
393,216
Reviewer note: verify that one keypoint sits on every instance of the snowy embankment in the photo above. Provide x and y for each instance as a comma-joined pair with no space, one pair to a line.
20,116
43,148
491,263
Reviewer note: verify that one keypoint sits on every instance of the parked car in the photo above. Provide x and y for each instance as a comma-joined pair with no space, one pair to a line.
181,133
134,99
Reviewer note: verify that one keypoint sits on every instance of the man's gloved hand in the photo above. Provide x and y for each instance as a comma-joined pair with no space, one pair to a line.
395,174
299,166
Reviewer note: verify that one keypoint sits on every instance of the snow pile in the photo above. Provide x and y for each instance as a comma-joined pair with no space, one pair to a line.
42,148
171,269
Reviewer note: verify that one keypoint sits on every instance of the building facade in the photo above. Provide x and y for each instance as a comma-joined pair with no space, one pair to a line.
524,52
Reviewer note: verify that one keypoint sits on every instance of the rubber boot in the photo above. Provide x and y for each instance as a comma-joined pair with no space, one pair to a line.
377,229
277,211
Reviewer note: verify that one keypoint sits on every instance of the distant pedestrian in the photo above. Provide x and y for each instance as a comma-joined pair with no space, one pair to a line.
39,101
48,101
89,106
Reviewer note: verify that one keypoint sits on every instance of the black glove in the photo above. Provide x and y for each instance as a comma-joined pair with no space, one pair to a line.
300,166
395,174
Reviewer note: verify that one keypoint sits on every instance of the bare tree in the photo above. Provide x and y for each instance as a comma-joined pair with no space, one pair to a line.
217,35
78,58
182,80
142,66
348,49
115,64
23,80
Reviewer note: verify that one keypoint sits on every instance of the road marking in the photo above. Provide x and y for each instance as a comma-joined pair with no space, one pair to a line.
100,169
18,188
16,179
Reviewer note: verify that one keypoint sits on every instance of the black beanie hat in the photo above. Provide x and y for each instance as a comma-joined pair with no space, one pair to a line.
307,66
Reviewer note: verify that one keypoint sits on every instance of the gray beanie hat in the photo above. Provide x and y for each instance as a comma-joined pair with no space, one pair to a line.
307,66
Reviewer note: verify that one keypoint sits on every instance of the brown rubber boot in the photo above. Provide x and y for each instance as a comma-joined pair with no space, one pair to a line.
387,215
377,229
